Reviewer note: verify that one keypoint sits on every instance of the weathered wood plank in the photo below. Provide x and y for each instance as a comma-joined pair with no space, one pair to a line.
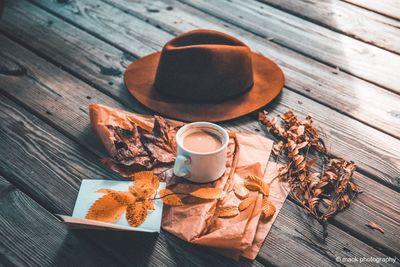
378,204
339,91
338,127
390,8
307,234
85,56
31,236
360,59
348,19
43,68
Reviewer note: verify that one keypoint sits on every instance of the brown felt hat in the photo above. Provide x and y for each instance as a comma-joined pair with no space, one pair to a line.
204,75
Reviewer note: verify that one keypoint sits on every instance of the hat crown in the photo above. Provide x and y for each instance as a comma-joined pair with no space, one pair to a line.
204,65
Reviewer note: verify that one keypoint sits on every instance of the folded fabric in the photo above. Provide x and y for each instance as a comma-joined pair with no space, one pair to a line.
197,222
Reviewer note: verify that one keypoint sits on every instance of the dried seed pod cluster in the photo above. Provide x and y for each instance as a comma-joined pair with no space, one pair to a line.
321,192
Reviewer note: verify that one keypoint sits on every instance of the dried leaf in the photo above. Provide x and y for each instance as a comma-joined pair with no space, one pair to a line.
124,198
252,186
143,176
265,188
105,209
148,204
136,214
170,198
300,130
208,193
105,190
255,183
226,212
161,143
244,204
241,191
146,184
373,225
327,201
301,145
276,149
268,208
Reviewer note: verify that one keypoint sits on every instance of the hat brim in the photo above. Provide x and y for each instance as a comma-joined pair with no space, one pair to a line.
268,83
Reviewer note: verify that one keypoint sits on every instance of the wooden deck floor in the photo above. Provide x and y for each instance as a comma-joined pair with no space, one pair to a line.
342,64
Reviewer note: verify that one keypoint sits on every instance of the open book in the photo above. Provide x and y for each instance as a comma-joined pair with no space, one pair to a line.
88,195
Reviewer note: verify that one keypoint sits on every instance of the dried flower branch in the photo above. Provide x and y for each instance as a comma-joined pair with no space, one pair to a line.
322,194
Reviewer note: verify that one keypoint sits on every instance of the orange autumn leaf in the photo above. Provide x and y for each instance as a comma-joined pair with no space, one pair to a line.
105,190
244,204
143,191
268,208
208,193
226,212
142,176
105,209
252,186
241,191
136,214
265,188
146,178
256,183
149,204
122,197
170,198
146,184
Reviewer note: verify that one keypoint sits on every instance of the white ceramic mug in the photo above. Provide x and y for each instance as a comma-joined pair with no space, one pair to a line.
197,166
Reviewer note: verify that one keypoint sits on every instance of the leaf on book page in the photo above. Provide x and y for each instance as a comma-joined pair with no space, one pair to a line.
106,209
136,214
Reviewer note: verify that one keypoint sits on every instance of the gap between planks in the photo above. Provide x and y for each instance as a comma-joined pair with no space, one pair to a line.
378,30
392,10
356,58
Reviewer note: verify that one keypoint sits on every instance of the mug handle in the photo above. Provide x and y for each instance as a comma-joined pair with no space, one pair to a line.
180,166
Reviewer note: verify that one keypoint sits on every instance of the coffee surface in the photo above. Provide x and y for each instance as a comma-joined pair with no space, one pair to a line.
202,141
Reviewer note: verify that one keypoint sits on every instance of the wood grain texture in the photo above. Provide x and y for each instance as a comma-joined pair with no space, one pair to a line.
56,159
348,19
358,58
81,54
32,236
338,90
308,235
378,204
390,8
337,127
70,129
